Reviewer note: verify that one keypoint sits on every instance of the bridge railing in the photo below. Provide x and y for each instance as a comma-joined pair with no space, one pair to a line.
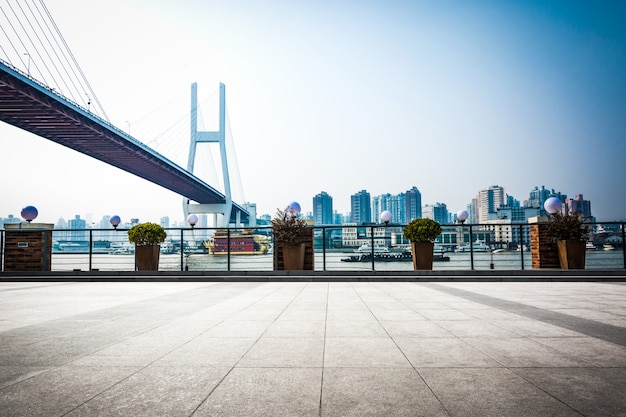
336,248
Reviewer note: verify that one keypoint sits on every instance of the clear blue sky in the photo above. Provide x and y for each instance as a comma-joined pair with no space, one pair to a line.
340,96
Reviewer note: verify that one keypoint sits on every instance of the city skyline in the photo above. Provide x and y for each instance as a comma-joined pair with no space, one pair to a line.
376,204
451,97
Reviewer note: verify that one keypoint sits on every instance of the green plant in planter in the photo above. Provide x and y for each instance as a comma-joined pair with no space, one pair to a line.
146,234
422,230
287,229
567,227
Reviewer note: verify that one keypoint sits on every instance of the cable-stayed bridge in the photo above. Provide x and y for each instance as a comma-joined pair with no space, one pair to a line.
36,107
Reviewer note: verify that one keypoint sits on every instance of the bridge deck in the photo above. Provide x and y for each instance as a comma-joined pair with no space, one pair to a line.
33,107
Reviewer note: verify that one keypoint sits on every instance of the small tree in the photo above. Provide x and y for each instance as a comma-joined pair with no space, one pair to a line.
422,230
146,234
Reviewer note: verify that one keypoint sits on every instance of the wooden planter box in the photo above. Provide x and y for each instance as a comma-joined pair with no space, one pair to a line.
147,257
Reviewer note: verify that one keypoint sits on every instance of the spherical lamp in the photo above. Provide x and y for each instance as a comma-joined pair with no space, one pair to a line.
385,216
553,205
192,219
462,215
29,213
115,221
293,209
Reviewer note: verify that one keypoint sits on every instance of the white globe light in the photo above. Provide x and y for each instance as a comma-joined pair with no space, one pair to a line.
385,216
462,215
115,221
294,209
192,219
553,205
29,213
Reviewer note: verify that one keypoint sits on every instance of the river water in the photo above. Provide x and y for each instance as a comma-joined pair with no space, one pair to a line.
598,260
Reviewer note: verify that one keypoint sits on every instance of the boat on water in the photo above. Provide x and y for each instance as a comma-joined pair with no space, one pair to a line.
478,246
390,257
366,248
590,246
242,242
608,246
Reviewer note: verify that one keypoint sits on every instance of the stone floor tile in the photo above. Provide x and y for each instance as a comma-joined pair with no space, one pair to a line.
217,352
155,391
520,352
413,328
443,353
251,392
362,392
363,352
491,392
592,392
60,390
589,349
284,352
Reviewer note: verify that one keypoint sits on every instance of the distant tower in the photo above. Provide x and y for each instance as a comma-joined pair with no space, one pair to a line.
323,208
413,204
361,206
223,210
489,201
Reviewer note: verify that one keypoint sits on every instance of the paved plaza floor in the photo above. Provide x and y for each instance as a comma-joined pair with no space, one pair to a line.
312,349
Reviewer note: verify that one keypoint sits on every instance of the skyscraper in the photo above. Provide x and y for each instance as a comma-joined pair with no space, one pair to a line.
488,202
360,204
323,208
578,205
412,204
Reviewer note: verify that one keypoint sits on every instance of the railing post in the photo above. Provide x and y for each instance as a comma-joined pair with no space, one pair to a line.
90,249
182,252
471,236
228,244
521,244
623,244
323,248
1,250
373,253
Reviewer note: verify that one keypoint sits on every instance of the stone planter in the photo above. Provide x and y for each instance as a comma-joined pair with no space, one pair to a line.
571,254
147,257
422,255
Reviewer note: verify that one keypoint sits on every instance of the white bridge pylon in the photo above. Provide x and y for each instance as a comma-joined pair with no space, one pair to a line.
221,212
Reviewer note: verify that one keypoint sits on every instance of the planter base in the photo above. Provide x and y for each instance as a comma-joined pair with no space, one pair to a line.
571,254
423,254
147,257
293,257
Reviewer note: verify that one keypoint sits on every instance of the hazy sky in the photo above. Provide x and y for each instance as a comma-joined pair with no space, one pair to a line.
340,96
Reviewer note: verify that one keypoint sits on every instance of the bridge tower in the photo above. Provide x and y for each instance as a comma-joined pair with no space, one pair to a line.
222,213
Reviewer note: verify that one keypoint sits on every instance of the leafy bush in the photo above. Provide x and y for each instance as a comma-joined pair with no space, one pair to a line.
567,227
422,230
287,229
146,234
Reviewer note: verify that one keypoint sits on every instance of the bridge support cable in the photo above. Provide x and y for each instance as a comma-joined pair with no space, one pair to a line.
38,49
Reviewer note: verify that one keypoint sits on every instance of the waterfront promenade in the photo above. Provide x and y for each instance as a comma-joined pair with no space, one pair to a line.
313,345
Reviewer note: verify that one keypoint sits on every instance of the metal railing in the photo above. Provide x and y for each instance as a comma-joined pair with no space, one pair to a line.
336,248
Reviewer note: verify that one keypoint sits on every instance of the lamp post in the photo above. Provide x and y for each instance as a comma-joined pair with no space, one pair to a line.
462,215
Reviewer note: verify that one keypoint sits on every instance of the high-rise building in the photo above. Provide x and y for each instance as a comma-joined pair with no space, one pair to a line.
437,212
323,209
488,202
412,204
395,204
361,206
538,196
77,226
578,205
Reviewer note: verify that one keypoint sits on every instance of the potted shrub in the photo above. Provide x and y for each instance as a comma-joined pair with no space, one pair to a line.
290,232
147,238
570,234
422,234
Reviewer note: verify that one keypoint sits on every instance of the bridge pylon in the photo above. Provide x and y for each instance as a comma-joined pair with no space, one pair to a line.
222,213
